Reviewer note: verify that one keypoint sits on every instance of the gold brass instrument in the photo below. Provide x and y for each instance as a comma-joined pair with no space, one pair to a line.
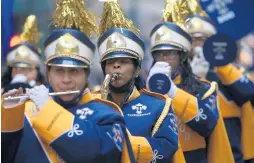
51,94
105,85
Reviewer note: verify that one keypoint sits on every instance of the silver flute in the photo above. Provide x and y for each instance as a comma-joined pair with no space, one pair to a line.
51,94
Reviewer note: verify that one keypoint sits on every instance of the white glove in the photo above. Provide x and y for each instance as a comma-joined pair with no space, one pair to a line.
39,95
32,83
14,102
199,64
164,68
19,78
160,67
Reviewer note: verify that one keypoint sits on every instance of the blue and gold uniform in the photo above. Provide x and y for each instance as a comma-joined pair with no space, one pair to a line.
236,111
83,133
77,131
201,128
237,92
202,132
152,127
149,116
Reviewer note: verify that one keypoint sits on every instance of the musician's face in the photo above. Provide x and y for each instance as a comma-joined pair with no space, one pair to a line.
65,79
196,42
125,67
29,72
172,57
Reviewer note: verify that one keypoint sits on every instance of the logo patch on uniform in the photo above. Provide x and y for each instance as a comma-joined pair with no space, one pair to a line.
139,108
244,79
201,115
213,104
117,136
75,131
173,123
84,113
156,156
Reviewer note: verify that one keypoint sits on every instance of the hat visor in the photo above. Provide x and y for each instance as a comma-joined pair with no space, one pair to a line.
67,62
22,65
113,55
199,35
165,47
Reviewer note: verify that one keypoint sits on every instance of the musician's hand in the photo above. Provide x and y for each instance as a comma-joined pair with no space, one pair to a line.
164,68
39,95
19,78
160,67
14,102
199,64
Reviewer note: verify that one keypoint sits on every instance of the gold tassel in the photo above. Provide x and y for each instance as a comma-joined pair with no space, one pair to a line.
113,17
163,115
177,11
180,13
167,12
195,8
30,32
73,14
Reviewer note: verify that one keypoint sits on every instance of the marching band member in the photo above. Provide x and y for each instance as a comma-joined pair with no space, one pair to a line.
23,59
66,128
148,116
235,90
201,129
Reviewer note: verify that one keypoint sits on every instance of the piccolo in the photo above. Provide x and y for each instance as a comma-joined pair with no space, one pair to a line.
50,94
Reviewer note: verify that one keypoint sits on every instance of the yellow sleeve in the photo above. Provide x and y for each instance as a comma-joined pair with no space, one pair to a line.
228,74
52,121
141,149
12,118
185,105
179,156
219,149
247,122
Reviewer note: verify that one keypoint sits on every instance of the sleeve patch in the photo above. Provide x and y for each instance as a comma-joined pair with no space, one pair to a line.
117,136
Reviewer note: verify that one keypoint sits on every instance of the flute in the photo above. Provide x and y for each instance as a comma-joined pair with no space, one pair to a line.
51,94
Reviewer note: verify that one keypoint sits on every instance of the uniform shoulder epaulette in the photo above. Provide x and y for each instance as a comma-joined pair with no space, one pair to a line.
165,109
211,90
112,104
160,96
96,94
96,91
205,81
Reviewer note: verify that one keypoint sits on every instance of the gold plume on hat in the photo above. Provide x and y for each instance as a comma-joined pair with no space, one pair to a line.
195,8
113,17
177,11
167,12
31,32
73,14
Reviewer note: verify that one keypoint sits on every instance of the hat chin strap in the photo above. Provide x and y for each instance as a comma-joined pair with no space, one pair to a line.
124,88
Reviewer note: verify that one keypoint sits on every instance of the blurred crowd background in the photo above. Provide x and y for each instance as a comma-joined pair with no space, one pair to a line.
145,14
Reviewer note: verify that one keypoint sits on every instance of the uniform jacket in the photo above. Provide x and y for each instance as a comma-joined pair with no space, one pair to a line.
201,128
89,132
152,127
236,93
